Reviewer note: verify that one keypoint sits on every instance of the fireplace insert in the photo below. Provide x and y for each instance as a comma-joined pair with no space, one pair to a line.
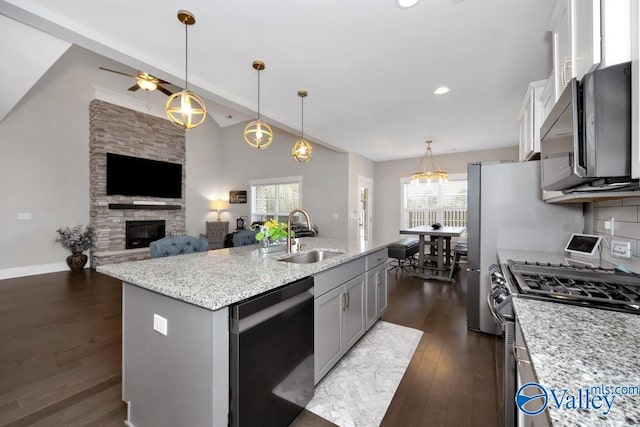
140,234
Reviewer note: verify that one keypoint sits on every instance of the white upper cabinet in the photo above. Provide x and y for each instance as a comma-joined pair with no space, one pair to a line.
616,31
530,119
585,36
575,28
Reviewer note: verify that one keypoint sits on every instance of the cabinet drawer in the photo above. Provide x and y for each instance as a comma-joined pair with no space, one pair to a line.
330,279
375,259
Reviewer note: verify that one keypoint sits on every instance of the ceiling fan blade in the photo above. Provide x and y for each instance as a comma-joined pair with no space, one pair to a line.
117,72
165,91
134,87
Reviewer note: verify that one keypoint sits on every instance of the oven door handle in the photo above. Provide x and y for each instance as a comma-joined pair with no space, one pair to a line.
495,315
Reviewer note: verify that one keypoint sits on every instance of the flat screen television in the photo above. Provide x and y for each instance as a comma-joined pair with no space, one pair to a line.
135,176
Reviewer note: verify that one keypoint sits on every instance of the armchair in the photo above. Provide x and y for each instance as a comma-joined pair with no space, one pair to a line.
177,245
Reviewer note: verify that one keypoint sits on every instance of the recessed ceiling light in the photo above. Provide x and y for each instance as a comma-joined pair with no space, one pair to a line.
441,90
407,3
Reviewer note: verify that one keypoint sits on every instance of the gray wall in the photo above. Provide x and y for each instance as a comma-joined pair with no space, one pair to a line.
387,192
324,185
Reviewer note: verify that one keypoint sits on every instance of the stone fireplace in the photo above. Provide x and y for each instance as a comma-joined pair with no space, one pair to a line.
125,225
140,234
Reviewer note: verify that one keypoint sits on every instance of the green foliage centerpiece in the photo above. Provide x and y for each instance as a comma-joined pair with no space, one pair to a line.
271,234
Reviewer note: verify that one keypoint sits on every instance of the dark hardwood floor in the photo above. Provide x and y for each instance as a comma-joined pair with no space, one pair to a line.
60,357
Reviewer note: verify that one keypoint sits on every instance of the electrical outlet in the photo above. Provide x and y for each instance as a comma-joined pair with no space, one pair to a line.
621,249
24,216
160,324
607,225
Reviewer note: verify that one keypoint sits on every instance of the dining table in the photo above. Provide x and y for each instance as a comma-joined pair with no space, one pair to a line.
440,242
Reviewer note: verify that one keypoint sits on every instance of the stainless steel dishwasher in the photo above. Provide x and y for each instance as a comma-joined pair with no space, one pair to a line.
271,360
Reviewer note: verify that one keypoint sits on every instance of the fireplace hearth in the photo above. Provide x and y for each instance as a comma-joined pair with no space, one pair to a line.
140,234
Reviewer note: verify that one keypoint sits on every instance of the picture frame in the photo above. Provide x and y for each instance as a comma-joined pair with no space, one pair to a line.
238,196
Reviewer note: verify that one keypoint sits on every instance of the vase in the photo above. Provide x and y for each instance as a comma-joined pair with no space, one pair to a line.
76,261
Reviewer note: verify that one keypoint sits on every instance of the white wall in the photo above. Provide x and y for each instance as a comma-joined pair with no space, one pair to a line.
387,190
203,168
324,185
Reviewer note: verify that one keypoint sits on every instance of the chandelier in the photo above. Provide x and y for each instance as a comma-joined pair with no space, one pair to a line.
426,174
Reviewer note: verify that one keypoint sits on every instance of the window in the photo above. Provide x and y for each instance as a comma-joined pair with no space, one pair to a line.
425,204
274,198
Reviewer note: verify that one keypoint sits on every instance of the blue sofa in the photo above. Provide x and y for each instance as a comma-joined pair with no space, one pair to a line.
177,245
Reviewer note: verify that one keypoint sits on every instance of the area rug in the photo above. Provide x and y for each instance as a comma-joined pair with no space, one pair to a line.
358,391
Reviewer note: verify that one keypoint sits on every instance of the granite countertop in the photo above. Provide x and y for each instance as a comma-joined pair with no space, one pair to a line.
221,277
576,348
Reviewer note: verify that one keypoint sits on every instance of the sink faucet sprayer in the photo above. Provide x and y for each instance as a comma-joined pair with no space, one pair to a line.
291,214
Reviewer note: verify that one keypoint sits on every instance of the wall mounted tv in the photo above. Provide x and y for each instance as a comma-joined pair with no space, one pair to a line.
134,176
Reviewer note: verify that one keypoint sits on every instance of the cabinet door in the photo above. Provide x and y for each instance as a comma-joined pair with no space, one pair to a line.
562,45
353,326
370,297
381,289
327,329
586,36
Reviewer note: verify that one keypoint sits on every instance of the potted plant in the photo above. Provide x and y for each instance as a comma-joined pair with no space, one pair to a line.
77,240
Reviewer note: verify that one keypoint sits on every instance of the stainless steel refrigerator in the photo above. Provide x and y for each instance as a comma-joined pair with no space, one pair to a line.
506,211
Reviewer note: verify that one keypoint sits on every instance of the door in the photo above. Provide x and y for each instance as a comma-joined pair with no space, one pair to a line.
365,210
353,326
327,330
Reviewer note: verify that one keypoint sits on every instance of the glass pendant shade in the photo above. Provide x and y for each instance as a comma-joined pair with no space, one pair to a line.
258,134
186,109
427,174
302,151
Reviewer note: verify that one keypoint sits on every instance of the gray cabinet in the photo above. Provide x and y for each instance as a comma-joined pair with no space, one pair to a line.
376,295
376,286
327,331
339,313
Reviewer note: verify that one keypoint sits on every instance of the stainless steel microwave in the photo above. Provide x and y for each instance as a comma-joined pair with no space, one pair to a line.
586,139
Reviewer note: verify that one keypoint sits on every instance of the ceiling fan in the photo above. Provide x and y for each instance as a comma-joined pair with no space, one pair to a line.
144,81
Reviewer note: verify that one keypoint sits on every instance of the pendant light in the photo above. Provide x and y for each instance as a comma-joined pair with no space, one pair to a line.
258,134
185,108
427,175
302,150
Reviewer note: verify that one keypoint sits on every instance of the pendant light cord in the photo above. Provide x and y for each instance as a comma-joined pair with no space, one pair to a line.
258,94
302,125
186,56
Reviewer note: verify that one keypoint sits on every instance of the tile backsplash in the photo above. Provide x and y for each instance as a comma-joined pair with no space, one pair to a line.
626,227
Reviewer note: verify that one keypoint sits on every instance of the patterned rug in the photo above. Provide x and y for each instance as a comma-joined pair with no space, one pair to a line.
358,391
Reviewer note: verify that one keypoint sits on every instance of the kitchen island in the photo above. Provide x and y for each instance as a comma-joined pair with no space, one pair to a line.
581,351
176,324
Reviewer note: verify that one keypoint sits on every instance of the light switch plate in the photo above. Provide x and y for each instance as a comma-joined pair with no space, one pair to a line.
24,216
621,249
160,324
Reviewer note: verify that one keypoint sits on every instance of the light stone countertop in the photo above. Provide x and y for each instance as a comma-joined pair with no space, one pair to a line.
221,277
576,348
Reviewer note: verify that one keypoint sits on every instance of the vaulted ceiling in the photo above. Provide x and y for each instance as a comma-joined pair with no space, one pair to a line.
370,67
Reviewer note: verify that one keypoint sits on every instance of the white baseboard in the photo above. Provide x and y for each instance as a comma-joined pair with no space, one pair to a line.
30,270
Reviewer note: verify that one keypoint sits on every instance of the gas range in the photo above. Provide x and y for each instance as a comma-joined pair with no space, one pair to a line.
576,284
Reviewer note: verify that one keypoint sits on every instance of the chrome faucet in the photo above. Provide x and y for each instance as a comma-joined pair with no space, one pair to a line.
291,214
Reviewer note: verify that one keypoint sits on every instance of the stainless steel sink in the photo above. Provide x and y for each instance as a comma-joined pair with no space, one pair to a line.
311,257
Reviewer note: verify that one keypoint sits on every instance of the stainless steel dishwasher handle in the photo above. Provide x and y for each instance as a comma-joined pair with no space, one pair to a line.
272,311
